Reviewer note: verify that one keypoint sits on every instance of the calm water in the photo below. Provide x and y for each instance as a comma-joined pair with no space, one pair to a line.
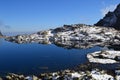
37,58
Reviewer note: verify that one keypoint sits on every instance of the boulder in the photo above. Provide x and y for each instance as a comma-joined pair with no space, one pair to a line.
107,57
117,58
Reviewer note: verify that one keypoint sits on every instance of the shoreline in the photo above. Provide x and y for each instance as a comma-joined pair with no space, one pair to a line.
83,71
67,36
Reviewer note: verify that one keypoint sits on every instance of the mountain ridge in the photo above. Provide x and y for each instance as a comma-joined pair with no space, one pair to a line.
111,19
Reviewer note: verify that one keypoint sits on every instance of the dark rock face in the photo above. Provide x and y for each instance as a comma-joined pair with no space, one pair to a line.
111,19
117,58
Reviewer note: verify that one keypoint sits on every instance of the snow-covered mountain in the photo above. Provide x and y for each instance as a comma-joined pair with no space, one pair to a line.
76,36
111,19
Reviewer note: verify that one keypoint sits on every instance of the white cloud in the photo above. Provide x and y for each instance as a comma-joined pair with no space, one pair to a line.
107,9
3,25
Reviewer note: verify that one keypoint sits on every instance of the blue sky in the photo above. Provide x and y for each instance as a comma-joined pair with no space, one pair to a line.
36,15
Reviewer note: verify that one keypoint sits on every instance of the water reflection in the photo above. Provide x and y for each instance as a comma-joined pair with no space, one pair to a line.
62,43
84,45
37,58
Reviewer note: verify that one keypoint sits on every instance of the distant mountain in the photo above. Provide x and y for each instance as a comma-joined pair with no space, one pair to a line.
1,34
111,19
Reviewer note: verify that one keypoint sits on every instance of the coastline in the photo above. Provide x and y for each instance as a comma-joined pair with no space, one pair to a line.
92,74
84,71
67,36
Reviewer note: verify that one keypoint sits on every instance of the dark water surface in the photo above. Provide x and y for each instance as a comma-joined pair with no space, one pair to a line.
37,58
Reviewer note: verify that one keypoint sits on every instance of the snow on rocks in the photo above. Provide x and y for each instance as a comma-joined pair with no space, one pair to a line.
102,77
94,74
74,75
104,57
77,32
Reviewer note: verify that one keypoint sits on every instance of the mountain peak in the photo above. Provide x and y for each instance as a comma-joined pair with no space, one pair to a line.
118,6
117,10
111,19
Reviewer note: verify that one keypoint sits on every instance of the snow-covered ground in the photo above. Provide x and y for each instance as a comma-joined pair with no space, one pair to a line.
95,74
104,57
92,35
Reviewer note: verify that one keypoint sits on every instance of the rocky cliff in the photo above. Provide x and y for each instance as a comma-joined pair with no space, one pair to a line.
111,19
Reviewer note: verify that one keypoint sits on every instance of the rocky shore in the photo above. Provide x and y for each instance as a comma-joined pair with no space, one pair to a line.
72,35
76,36
105,33
104,57
79,36
94,74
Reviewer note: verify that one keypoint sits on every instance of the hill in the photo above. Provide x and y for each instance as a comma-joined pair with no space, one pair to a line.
111,19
